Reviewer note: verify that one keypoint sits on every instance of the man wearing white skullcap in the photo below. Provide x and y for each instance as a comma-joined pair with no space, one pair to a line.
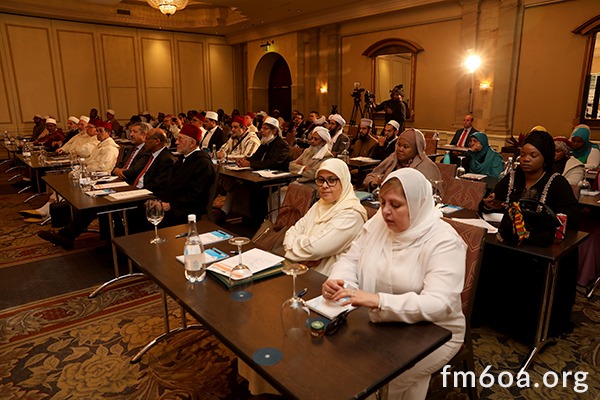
72,130
83,143
364,145
52,136
214,138
311,158
116,126
339,141
386,144
273,153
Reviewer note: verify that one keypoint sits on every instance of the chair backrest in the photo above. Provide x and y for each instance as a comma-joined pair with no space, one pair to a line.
576,190
296,152
290,138
430,146
464,193
474,237
352,132
297,202
447,171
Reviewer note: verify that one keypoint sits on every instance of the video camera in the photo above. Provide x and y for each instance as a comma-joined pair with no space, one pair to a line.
357,94
369,97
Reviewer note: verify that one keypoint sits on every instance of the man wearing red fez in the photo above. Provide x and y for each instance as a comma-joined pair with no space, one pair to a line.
189,189
249,117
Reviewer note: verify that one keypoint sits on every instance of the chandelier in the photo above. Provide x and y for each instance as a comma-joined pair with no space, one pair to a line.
168,7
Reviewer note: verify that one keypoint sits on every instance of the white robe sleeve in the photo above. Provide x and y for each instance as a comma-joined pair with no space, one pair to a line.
593,159
444,267
333,238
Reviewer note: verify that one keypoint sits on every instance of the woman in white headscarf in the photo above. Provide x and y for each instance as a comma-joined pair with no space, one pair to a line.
311,158
331,224
407,265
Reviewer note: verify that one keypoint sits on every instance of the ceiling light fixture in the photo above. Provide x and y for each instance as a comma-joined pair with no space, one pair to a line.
168,7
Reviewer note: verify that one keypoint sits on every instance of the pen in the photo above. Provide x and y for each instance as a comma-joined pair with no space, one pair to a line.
302,292
184,234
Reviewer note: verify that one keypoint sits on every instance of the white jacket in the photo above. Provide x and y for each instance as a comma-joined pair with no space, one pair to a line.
104,156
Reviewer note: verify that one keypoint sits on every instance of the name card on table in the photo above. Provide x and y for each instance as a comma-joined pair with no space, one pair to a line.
130,194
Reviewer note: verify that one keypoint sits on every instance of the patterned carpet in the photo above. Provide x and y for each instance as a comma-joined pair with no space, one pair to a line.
74,347
18,239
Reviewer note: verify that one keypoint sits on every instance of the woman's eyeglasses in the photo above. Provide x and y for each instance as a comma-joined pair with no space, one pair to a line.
331,181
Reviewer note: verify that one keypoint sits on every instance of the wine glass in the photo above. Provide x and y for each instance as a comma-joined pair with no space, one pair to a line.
584,184
294,311
460,171
377,190
240,276
154,214
437,197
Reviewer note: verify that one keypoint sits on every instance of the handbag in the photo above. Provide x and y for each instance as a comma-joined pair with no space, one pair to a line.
60,214
528,220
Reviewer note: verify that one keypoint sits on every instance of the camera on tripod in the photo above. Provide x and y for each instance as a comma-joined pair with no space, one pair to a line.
369,97
357,94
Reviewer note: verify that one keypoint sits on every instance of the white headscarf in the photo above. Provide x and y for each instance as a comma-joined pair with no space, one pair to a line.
347,200
324,134
382,241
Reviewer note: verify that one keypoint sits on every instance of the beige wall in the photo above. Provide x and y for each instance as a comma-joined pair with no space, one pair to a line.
62,68
530,57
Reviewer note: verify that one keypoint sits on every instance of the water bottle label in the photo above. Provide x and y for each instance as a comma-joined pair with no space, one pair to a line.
194,262
84,181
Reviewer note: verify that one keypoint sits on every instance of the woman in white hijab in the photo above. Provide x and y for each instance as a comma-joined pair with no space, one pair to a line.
331,224
311,158
407,265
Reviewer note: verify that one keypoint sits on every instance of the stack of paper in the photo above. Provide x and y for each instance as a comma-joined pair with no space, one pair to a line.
267,173
326,308
111,185
364,159
236,168
130,194
256,259
474,177
478,222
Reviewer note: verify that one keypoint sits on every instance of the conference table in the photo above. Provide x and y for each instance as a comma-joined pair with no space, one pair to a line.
272,184
79,201
353,363
38,167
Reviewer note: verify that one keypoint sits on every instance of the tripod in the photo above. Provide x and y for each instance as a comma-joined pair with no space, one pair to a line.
356,111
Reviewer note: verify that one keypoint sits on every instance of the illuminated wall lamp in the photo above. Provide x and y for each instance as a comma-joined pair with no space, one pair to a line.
485,86
323,89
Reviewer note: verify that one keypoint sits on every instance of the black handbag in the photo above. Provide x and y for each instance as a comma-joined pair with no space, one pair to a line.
528,220
60,213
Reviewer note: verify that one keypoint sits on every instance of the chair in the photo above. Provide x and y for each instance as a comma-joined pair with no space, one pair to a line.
464,193
297,202
474,237
431,146
352,132
211,197
447,172
296,152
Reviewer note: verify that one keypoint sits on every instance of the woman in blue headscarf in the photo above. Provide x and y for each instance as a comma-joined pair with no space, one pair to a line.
483,159
583,149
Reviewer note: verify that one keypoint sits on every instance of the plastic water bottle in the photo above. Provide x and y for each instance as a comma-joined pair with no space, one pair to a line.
193,253
213,155
345,155
446,159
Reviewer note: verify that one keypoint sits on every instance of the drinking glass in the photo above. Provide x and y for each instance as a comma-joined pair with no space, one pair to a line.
294,311
154,215
377,190
460,171
240,276
584,184
437,197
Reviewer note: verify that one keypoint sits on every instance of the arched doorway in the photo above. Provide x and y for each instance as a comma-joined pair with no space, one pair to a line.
272,85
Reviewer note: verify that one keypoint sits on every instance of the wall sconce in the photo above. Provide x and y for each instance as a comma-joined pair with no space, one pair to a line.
265,46
485,86
323,89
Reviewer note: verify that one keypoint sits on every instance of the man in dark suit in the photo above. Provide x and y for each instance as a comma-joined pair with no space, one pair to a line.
188,190
273,153
134,157
157,171
463,136
214,136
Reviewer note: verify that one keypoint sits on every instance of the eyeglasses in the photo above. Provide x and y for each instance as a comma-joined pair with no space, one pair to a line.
336,323
331,181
